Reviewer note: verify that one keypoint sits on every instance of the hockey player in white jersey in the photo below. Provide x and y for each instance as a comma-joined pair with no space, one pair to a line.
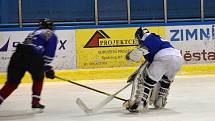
164,61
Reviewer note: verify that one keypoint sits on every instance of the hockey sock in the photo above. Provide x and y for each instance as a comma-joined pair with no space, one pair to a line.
6,90
148,85
165,84
36,91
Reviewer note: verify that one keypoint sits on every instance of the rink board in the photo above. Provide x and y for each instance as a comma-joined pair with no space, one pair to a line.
65,57
115,73
100,53
107,47
196,42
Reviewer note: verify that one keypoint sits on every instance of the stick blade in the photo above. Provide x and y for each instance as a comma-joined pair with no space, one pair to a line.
83,106
102,104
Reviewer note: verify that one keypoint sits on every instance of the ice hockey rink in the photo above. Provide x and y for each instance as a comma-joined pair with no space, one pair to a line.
191,98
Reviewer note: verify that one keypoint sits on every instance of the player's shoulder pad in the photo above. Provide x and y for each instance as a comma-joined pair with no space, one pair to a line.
145,36
47,33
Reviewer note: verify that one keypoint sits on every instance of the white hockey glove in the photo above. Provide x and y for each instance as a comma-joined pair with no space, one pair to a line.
136,54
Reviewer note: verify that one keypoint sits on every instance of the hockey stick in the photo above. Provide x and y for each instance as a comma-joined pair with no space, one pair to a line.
87,110
89,88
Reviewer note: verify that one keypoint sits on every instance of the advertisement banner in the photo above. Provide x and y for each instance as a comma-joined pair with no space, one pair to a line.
65,53
196,42
107,47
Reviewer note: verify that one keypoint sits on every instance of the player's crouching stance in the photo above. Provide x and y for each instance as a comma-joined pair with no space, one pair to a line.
151,86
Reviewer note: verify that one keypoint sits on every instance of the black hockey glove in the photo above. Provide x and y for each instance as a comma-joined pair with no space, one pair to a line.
50,74
131,106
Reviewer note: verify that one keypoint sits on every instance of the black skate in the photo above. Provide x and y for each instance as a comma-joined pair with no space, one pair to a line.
37,108
133,109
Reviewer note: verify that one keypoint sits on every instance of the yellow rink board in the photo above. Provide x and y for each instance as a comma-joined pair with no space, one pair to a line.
114,73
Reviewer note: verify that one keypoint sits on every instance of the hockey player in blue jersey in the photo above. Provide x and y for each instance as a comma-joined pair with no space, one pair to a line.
33,55
164,61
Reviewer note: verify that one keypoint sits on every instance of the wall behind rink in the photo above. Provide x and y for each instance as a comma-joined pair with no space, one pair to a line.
65,53
196,42
106,47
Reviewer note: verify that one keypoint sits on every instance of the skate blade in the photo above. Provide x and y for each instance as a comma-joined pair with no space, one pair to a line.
37,110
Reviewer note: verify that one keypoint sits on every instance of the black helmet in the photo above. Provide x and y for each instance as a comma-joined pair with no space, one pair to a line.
46,24
140,32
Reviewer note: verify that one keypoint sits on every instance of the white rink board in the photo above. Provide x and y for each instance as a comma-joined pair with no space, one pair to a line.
65,53
196,42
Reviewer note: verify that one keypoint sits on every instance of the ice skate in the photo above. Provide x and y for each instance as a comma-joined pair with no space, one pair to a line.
143,107
161,100
39,108
136,106
131,106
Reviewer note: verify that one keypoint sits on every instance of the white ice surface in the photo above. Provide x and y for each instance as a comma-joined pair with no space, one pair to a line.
191,98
